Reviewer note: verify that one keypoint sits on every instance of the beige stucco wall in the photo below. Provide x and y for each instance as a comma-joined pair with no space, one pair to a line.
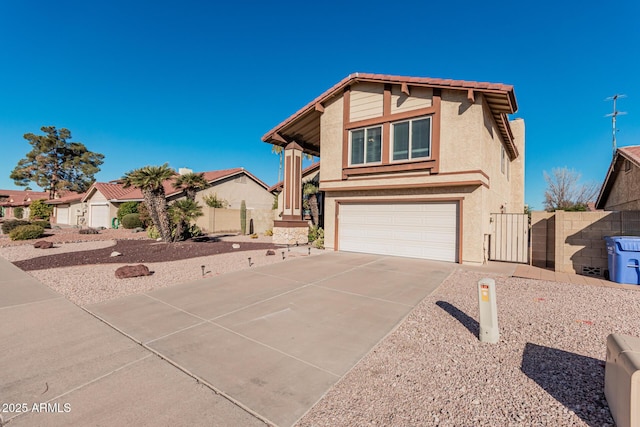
625,192
235,190
421,97
461,129
98,198
331,140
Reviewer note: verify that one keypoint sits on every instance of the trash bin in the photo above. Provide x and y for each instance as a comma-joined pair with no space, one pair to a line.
623,254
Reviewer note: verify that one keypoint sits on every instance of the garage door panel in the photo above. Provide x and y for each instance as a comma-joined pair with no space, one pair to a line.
99,216
62,216
418,230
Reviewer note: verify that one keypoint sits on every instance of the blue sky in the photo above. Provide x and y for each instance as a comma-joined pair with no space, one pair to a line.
197,84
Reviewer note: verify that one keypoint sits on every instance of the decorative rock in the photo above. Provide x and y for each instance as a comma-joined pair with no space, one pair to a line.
137,230
271,252
43,244
115,253
235,246
128,271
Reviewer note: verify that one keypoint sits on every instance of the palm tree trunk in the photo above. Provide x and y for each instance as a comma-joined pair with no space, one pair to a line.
151,207
313,206
164,224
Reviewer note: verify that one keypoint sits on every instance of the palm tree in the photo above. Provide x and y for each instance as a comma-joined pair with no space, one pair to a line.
310,190
182,212
149,180
279,150
190,183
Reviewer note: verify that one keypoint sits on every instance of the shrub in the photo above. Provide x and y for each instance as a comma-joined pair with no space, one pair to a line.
18,212
212,201
153,232
39,209
145,217
7,226
268,232
26,232
131,220
42,223
254,236
316,236
89,231
125,209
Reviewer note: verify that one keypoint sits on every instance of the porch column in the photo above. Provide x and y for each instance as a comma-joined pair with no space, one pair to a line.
292,183
291,229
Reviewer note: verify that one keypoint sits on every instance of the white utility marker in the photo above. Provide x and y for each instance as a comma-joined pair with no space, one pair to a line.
489,331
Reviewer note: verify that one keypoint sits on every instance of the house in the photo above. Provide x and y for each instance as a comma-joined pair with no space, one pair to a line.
68,209
621,188
102,200
410,166
309,174
12,199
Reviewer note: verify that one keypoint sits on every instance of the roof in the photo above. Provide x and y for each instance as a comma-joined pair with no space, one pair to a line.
303,126
22,197
631,153
115,191
67,198
309,169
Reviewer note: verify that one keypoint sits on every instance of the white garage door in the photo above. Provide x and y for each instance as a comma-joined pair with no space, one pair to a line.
99,216
416,230
62,216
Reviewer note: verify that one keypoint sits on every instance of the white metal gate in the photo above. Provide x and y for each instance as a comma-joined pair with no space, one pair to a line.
509,238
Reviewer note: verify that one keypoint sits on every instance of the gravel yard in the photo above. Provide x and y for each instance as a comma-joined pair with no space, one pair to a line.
547,369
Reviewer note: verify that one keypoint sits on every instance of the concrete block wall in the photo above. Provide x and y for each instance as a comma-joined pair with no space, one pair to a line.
573,242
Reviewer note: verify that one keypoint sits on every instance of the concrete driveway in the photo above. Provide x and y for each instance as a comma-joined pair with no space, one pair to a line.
274,339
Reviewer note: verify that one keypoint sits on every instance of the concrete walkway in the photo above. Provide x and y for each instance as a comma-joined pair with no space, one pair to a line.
269,341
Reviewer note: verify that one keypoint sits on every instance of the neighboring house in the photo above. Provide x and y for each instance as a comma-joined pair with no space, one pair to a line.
410,166
11,199
621,188
310,173
68,209
102,200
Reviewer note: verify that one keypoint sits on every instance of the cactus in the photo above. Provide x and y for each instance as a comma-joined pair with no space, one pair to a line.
243,217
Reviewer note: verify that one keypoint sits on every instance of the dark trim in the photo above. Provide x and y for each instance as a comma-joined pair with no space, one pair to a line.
290,223
391,117
402,186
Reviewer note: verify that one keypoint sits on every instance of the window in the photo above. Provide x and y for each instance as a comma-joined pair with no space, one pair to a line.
411,139
366,145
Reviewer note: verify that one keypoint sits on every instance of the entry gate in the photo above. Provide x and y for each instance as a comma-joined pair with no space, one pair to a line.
509,238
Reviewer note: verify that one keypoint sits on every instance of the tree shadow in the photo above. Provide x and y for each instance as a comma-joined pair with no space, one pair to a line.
575,381
468,322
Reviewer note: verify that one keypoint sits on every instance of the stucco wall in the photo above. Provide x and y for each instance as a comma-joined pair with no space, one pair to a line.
625,192
460,133
331,140
236,189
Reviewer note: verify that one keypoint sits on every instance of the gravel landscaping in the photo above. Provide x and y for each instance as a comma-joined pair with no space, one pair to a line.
547,369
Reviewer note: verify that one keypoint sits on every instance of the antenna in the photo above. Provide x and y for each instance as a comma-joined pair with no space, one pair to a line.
613,116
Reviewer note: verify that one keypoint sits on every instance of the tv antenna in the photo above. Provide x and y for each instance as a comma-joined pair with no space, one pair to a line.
613,116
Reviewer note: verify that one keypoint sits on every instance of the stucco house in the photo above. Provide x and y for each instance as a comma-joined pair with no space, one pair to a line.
102,200
12,199
410,166
68,209
621,188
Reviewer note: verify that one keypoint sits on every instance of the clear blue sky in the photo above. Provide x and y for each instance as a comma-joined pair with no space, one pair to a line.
197,84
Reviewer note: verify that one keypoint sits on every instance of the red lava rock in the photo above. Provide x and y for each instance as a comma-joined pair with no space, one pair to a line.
271,252
128,271
43,244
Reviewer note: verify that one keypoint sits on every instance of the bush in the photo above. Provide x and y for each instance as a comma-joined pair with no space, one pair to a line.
316,236
42,223
26,232
18,212
268,232
254,236
131,220
153,232
212,201
7,226
89,231
39,209
145,217
125,209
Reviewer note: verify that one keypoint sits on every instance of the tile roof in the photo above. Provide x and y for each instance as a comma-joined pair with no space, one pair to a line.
67,198
22,197
114,191
500,97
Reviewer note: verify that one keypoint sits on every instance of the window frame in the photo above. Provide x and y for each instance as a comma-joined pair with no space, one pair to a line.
409,147
364,149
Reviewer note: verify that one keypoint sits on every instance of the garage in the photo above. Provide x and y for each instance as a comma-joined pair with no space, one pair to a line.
427,230
99,215
62,215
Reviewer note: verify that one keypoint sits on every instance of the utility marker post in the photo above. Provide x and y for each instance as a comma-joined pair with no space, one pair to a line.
489,331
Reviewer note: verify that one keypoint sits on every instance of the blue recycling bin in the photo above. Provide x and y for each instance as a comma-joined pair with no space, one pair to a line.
623,254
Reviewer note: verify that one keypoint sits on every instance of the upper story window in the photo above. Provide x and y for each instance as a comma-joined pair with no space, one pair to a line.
366,145
411,139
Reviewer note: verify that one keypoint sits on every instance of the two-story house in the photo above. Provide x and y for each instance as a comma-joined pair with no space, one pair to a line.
410,166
